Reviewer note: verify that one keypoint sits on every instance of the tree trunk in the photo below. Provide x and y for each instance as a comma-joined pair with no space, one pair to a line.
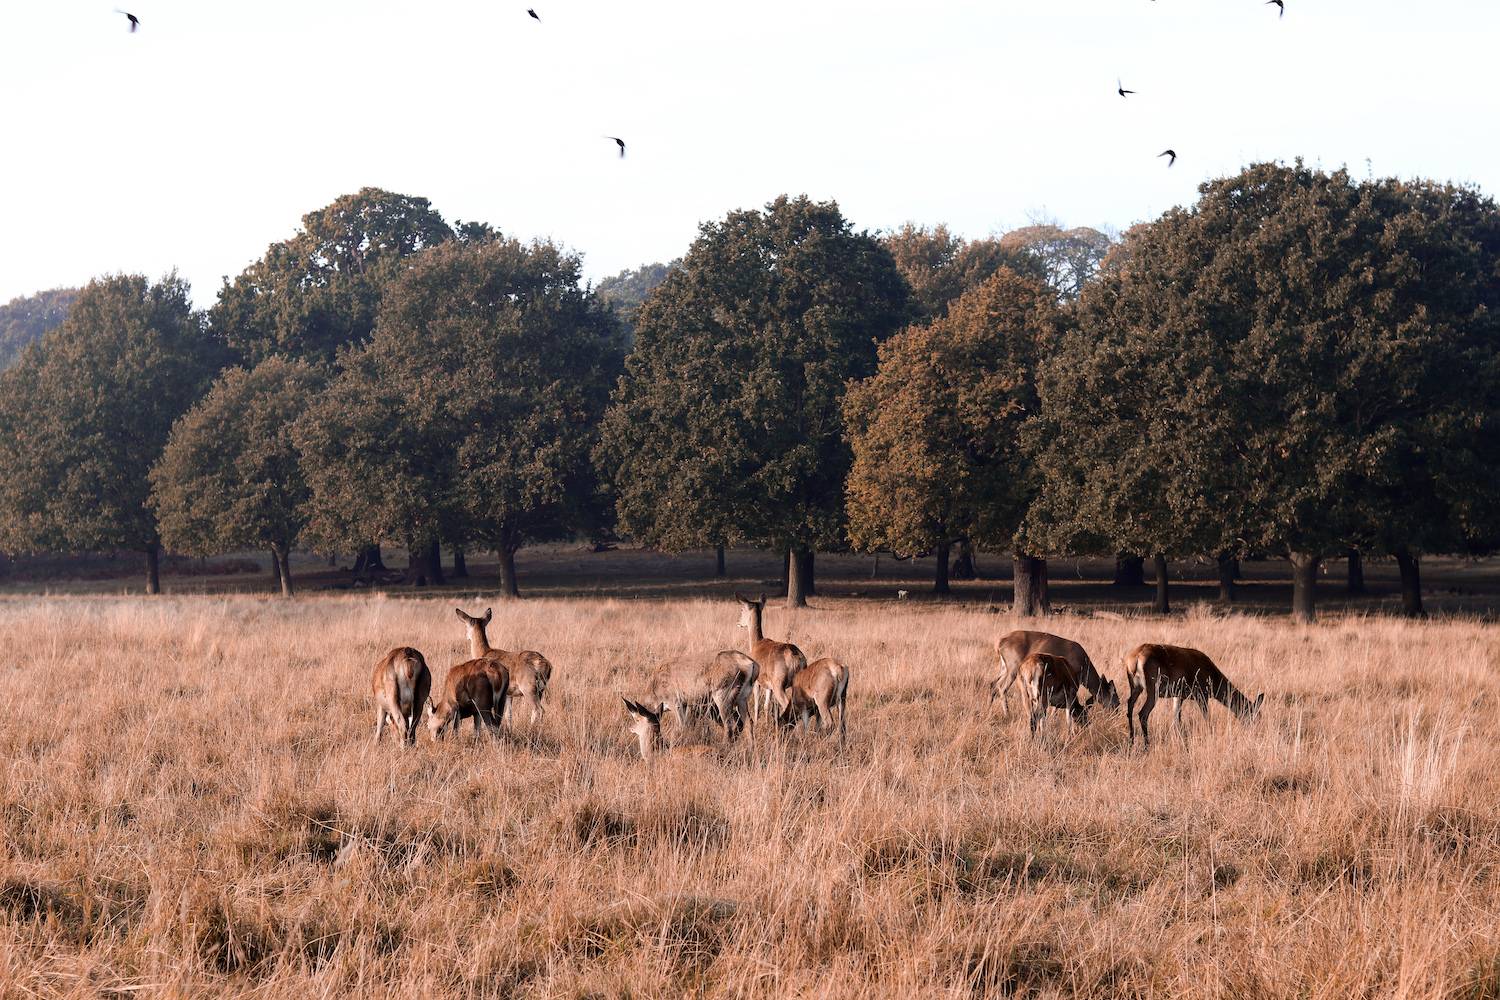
963,566
460,564
809,574
1304,585
799,563
1162,605
1356,573
940,576
1130,571
153,569
283,559
275,569
1030,574
786,565
1228,565
719,568
369,560
509,589
434,562
1411,583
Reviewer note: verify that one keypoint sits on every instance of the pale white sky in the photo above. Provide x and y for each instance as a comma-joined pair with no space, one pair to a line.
205,136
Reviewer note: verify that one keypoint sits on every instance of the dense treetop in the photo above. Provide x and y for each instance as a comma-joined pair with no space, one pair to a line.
24,319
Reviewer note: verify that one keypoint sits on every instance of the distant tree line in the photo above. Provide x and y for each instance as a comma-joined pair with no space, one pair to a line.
1300,365
24,319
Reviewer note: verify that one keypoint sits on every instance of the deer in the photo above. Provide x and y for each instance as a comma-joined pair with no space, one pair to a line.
722,685
1048,681
468,692
1179,673
529,671
816,690
778,661
646,725
1013,648
400,684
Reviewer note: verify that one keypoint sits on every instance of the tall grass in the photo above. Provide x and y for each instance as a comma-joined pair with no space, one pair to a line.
192,806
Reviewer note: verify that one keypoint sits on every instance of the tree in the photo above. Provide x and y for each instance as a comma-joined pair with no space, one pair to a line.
628,290
24,319
230,477
936,430
1069,258
472,413
321,289
939,266
86,412
727,424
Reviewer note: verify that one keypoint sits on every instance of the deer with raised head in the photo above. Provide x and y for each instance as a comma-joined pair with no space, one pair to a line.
529,671
1013,648
778,661
400,684
689,687
1180,673
468,692
815,692
1048,681
645,723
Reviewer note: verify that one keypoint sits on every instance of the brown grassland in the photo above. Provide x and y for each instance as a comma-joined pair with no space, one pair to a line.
192,806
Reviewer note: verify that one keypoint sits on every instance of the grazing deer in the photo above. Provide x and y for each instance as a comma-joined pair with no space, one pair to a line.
1048,681
816,690
778,661
1014,647
1179,673
722,685
529,671
467,693
646,725
400,685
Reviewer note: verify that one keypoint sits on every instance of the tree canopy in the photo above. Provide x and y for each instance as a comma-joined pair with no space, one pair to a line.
939,266
24,319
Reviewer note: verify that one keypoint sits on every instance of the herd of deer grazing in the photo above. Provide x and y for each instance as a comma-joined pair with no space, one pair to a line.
1051,671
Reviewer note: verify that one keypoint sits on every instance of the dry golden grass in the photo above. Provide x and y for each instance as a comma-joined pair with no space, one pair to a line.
192,807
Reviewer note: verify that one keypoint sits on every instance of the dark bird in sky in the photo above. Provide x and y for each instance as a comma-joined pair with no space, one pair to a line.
1121,88
135,22
532,13
1170,152
618,142
1280,5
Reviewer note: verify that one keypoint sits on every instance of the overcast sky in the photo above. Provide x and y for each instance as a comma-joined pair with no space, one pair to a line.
207,134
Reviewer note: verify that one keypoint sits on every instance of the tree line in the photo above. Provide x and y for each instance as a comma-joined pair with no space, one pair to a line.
1299,365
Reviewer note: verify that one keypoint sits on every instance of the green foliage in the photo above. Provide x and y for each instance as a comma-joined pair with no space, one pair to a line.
628,290
85,413
471,413
23,320
230,477
321,289
939,266
936,430
727,426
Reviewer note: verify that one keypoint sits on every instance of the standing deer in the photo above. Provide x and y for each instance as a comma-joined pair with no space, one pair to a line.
1179,673
1014,647
778,661
400,684
816,690
1048,681
529,671
688,687
467,693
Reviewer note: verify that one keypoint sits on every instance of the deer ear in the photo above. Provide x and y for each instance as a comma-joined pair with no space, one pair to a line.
461,616
631,706
488,614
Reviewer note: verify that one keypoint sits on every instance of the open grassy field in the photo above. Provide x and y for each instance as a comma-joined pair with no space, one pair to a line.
192,806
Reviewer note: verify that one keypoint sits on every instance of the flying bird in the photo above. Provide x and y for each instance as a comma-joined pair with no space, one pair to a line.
619,142
1280,5
1169,152
1121,88
135,22
532,13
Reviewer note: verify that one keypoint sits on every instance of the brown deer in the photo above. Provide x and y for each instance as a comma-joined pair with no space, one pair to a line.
1179,673
468,692
645,723
400,684
1014,647
778,661
529,671
1048,681
816,690
689,687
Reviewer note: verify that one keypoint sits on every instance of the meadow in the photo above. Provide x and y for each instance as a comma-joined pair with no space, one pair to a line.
193,807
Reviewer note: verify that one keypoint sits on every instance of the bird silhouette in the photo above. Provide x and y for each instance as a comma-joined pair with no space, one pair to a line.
135,22
1169,152
532,13
1121,88
619,142
1280,5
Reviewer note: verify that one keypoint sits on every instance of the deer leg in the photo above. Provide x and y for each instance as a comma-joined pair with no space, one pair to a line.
742,708
379,721
1146,708
1130,711
724,703
1181,732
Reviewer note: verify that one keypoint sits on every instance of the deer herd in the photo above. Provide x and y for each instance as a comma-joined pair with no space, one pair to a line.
733,688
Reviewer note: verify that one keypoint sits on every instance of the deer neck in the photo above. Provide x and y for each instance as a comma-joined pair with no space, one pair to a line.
479,643
650,743
1234,700
756,635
